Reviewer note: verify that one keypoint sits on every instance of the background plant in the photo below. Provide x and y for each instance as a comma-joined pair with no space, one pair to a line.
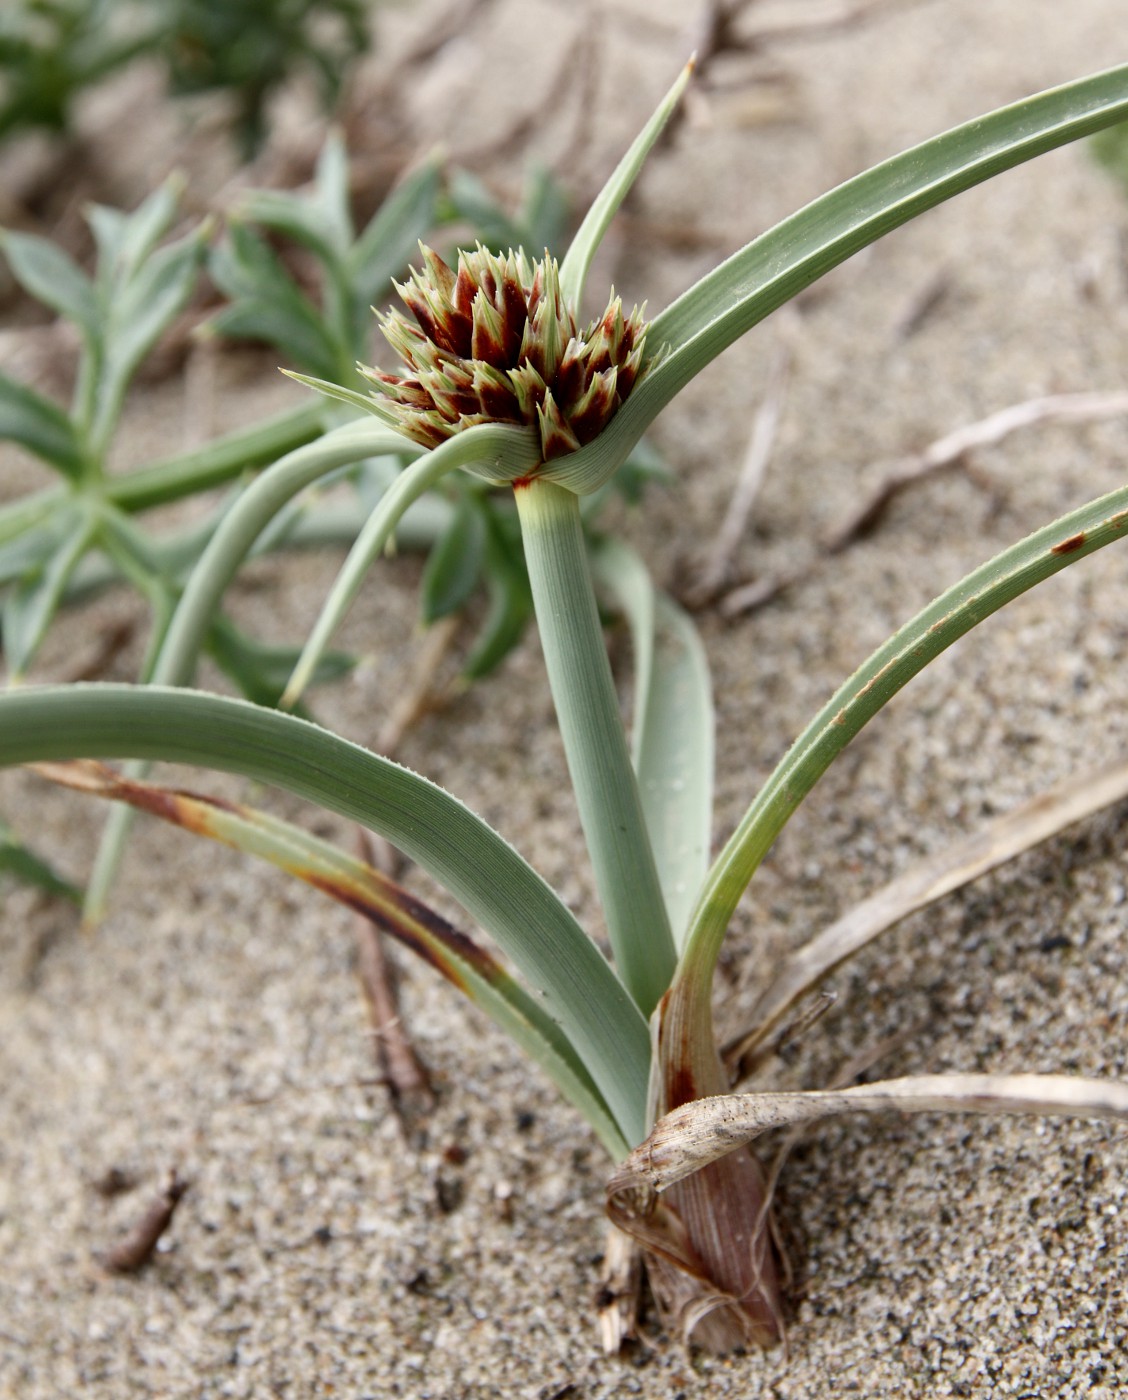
63,542
140,286
84,530
51,51
709,318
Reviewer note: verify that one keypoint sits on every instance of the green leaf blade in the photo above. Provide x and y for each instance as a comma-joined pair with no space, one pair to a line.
768,272
949,617
480,869
48,274
39,426
587,710
672,734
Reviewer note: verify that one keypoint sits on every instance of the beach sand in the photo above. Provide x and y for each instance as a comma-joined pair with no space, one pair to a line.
214,1022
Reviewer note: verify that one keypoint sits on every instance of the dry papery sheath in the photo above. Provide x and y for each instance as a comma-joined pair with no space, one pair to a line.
495,342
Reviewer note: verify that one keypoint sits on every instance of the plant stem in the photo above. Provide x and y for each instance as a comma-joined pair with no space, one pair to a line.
217,462
587,709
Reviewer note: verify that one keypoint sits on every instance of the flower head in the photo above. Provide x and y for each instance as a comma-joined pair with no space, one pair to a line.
494,342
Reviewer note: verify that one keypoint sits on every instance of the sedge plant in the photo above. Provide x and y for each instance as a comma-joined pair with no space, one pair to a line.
498,377
91,527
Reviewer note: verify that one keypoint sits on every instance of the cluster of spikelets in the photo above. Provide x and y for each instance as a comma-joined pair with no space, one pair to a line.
495,343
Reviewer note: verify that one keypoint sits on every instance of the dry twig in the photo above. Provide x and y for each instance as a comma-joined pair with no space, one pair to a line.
923,302
952,449
947,452
402,1070
136,1249
822,18
578,71
95,660
715,573
420,698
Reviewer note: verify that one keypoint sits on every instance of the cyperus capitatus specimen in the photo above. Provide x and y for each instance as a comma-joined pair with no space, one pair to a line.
495,342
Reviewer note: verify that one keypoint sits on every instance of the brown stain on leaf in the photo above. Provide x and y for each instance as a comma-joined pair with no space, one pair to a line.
1068,546
463,949
681,1086
190,812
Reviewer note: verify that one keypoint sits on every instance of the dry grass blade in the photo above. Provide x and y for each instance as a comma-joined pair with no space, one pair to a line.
620,1290
700,1132
404,1073
953,448
715,572
945,453
939,875
474,970
355,884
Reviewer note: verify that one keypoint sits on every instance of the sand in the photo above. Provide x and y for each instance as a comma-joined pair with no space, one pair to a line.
214,1023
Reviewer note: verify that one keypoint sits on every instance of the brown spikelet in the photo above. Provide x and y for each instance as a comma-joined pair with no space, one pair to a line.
494,341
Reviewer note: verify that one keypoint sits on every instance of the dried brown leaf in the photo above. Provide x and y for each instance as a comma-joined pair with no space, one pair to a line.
700,1132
